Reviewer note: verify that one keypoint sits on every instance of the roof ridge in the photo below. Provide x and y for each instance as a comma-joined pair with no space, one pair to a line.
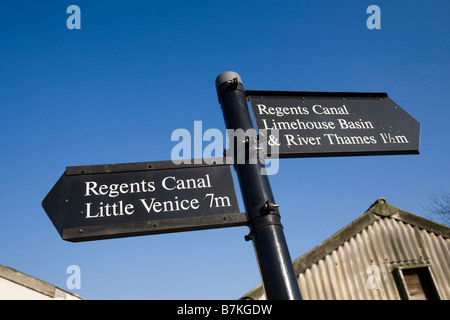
334,241
33,283
381,208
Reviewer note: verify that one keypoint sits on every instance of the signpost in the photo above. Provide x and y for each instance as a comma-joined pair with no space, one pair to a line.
120,200
266,230
132,199
325,124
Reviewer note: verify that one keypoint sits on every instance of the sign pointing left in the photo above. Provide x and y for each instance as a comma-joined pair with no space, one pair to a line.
121,200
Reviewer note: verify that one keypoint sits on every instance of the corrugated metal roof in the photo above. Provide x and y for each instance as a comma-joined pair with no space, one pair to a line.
358,262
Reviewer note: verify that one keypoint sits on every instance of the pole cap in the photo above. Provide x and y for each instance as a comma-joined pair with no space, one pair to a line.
227,76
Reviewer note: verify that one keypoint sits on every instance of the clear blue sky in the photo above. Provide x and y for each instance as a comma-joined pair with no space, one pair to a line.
114,91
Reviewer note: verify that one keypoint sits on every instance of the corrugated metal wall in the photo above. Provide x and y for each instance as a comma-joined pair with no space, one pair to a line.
362,268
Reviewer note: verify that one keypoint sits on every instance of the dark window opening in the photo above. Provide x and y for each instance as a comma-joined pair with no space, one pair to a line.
416,283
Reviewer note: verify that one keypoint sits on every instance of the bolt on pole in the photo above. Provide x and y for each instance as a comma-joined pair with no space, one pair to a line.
266,231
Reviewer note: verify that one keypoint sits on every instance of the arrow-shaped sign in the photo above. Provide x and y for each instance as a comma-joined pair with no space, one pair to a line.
325,124
120,200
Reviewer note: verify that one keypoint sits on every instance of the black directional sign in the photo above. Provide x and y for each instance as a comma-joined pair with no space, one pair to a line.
119,200
132,199
324,124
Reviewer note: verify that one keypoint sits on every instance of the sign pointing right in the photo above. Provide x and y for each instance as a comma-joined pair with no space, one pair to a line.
324,124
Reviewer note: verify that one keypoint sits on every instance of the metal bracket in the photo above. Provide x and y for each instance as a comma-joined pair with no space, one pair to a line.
256,223
271,207
228,86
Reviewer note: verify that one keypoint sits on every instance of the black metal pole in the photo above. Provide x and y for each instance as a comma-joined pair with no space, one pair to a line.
266,230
